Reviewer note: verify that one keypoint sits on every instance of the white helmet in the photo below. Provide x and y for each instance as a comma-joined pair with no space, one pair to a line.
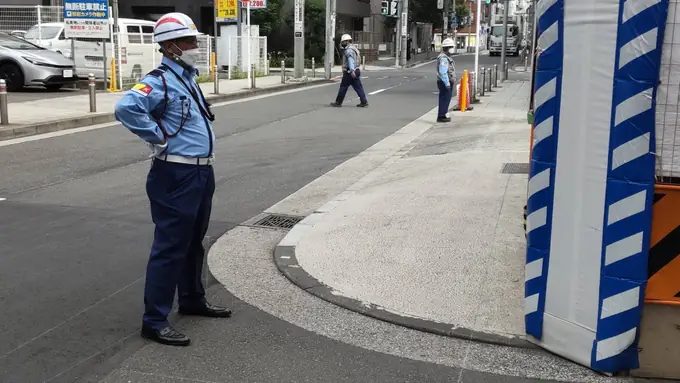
448,43
174,26
345,37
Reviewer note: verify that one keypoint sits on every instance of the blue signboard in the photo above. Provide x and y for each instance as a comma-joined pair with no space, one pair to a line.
86,18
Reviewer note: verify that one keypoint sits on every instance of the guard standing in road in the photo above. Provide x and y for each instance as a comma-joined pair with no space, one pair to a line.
446,79
169,112
351,74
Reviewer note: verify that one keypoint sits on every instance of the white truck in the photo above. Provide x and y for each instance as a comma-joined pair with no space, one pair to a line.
513,40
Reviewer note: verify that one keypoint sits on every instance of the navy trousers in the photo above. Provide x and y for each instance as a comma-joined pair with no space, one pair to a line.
445,95
181,201
354,82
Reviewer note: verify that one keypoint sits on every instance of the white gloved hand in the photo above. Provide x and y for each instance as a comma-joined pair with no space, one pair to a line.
157,150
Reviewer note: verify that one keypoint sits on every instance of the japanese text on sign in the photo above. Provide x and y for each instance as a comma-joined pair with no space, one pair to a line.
86,19
226,10
255,4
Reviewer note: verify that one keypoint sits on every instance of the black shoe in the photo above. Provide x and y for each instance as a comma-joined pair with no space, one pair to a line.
443,119
207,310
363,105
336,104
167,335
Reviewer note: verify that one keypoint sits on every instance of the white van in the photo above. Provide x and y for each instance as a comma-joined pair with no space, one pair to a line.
138,54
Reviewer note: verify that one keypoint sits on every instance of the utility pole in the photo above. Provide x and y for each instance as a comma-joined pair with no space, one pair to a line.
478,21
115,39
445,26
330,34
506,11
299,39
239,38
404,31
397,36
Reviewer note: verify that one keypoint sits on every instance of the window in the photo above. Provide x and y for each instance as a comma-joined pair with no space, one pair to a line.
147,34
134,34
12,42
42,32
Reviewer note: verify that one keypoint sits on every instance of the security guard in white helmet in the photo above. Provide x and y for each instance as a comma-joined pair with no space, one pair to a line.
351,74
446,79
169,112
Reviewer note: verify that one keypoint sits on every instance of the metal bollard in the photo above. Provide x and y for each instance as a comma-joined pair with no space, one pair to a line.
313,68
252,76
506,72
93,92
526,59
283,71
4,118
481,91
495,81
473,86
489,83
363,63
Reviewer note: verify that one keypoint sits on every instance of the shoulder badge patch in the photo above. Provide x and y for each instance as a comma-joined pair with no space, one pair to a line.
142,89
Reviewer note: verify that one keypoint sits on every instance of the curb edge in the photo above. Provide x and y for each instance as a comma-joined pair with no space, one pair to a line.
286,262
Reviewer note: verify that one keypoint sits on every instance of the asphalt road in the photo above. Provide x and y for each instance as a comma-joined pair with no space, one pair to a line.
75,233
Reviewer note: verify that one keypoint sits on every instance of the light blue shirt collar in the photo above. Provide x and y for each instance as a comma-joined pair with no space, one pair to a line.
189,74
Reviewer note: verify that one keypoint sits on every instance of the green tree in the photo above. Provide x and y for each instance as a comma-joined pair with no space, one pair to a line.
277,23
427,12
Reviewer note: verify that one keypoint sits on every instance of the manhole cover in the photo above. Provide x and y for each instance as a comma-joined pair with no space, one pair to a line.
279,221
515,168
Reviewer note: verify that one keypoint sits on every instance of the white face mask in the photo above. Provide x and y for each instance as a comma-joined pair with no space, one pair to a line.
451,50
190,57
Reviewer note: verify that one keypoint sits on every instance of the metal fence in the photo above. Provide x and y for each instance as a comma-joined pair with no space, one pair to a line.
372,45
23,18
236,53
667,109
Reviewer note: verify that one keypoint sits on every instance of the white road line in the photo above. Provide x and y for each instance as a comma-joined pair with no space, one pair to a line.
377,91
21,140
3,199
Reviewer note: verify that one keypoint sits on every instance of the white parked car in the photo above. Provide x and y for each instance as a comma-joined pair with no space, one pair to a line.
138,53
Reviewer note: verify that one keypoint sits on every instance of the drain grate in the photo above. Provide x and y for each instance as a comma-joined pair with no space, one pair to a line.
279,221
516,168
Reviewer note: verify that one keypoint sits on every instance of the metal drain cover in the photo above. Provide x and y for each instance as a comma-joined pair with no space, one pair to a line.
279,221
515,168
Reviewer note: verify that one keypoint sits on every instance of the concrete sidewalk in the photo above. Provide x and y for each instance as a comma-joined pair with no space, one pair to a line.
432,239
49,115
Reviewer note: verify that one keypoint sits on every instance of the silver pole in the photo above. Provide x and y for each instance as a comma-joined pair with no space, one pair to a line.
299,39
106,61
445,15
330,34
506,71
404,32
495,70
363,63
313,68
481,93
477,27
252,68
93,92
490,83
4,118
506,10
473,84
283,71
216,75
397,35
